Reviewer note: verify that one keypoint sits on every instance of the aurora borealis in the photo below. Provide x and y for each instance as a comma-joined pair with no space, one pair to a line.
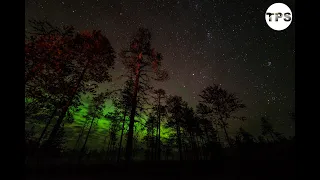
100,129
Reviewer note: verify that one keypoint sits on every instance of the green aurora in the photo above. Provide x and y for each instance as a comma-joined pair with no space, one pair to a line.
100,130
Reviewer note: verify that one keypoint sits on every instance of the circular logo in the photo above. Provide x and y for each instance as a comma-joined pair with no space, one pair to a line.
278,16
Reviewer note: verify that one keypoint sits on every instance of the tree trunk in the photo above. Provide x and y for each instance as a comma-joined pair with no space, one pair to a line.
271,133
179,140
106,154
152,140
207,134
109,143
112,150
159,144
227,136
186,152
132,115
201,144
46,127
218,137
202,148
120,143
85,142
80,135
159,120
195,146
66,107
104,141
156,143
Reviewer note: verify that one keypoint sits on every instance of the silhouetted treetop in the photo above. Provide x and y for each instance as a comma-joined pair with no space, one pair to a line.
222,101
266,126
60,62
96,54
218,105
141,42
44,27
244,136
141,53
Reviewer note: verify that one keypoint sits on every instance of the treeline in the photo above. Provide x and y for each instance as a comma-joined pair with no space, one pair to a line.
62,66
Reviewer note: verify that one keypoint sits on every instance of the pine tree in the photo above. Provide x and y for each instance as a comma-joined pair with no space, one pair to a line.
160,111
219,104
175,106
140,61
94,57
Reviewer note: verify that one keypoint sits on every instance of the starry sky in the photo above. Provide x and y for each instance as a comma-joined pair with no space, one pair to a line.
203,42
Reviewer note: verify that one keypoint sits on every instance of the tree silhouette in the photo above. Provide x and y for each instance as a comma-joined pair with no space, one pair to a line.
95,110
267,129
150,138
244,137
124,103
219,104
191,130
95,57
115,126
209,133
175,106
160,111
140,60
47,63
84,125
47,48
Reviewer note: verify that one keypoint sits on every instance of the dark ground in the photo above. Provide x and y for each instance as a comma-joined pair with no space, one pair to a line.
269,162
226,169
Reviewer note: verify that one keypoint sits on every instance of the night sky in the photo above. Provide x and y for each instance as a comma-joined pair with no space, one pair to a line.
203,42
